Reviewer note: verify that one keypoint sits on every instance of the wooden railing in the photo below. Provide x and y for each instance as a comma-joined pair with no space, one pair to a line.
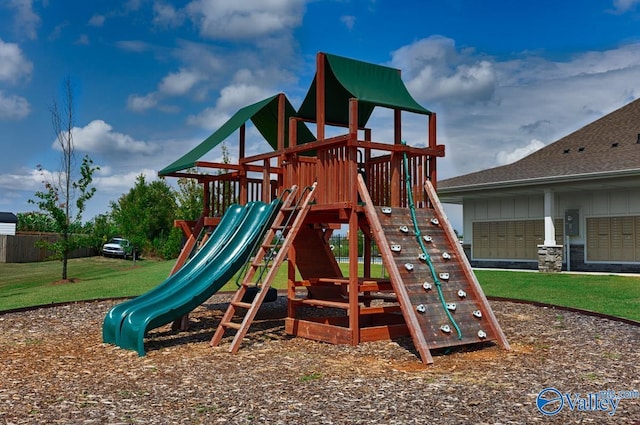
336,163
379,175
227,191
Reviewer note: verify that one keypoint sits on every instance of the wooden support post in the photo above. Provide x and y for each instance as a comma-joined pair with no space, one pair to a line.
396,159
320,98
367,254
291,278
432,169
281,122
354,309
354,322
266,181
292,177
243,173
206,198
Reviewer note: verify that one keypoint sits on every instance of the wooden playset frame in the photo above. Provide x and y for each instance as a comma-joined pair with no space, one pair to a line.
352,177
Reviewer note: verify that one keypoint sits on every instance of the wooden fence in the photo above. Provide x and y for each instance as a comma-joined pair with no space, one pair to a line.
22,248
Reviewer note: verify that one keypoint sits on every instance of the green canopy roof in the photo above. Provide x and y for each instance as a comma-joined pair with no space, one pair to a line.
373,85
263,114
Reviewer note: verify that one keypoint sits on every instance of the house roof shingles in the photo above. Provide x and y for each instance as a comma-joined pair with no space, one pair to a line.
609,145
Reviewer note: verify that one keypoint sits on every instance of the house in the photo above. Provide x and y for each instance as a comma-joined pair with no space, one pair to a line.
8,222
574,203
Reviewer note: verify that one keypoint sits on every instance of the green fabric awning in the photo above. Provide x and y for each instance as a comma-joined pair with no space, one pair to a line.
373,85
263,115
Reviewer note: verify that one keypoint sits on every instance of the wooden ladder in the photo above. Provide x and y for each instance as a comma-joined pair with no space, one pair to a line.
269,256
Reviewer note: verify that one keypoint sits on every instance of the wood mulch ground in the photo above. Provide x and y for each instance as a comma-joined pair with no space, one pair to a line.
55,369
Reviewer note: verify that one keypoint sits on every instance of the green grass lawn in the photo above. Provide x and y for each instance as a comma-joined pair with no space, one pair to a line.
609,294
29,284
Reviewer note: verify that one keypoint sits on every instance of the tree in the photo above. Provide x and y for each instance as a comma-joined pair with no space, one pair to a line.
189,197
66,186
145,215
35,221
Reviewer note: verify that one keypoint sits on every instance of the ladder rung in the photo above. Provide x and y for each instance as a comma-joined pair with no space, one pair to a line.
241,304
232,325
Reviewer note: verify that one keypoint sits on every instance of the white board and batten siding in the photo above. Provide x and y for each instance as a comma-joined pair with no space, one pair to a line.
8,223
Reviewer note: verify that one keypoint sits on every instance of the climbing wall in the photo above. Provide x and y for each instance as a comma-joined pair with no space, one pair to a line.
459,314
459,294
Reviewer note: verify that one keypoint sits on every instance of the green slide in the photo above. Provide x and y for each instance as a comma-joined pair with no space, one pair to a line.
189,292
220,236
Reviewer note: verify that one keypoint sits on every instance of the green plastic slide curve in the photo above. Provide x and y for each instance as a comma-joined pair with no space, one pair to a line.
196,288
220,236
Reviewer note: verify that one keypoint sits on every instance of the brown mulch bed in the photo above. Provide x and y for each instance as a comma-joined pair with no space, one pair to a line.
55,369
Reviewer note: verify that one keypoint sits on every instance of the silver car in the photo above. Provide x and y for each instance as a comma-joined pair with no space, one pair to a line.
118,247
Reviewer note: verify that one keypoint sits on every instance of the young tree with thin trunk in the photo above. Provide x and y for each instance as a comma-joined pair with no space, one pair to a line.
67,185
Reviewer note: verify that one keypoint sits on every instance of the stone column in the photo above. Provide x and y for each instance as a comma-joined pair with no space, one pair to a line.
550,258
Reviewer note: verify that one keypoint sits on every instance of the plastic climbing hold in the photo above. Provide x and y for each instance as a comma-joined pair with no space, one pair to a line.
451,306
386,210
446,256
422,257
396,247
435,221
408,266
404,229
427,286
461,293
444,276
445,328
428,238
477,314
421,308
482,334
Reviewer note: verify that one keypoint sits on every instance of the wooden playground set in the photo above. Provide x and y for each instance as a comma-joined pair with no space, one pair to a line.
386,190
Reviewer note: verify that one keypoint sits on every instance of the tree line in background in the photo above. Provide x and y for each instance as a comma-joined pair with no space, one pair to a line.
144,215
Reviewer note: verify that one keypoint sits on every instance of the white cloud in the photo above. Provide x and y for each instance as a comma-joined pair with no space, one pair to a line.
174,84
28,180
348,21
83,40
179,83
231,99
165,15
121,182
622,6
26,21
139,103
135,46
97,20
13,107
436,70
232,20
13,65
486,107
508,156
98,137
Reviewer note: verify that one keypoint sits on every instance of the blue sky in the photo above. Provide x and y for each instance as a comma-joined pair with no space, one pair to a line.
153,78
